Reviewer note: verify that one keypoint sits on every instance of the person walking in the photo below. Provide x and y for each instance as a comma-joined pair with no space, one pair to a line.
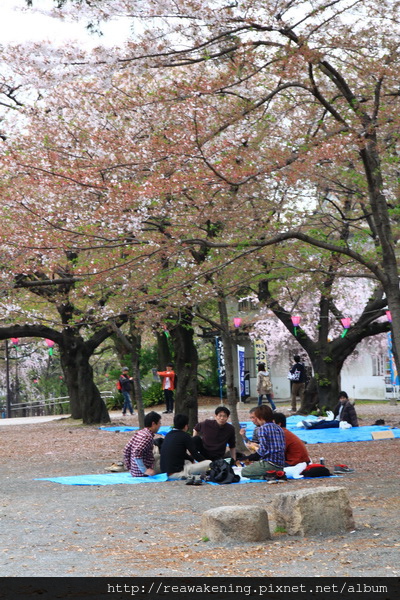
297,376
168,385
126,388
264,386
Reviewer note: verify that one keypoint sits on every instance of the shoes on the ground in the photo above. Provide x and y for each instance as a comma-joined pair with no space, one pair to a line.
165,412
198,480
116,468
338,469
124,414
275,476
307,424
190,481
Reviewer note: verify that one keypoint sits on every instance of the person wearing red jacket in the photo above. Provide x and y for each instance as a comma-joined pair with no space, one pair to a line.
168,385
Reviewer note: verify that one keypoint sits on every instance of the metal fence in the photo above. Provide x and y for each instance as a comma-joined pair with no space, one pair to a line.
51,406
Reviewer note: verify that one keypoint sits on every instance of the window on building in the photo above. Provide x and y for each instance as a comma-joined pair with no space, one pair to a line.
378,365
246,305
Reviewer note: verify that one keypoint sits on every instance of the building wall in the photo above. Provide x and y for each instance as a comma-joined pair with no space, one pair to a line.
363,377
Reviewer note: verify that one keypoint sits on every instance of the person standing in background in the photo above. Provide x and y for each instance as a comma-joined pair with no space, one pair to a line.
126,388
297,376
168,385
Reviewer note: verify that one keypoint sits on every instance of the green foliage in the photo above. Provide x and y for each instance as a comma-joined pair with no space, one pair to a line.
153,395
115,402
322,381
328,359
280,529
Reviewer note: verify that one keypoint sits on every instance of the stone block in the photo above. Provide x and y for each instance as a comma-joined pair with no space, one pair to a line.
314,511
236,523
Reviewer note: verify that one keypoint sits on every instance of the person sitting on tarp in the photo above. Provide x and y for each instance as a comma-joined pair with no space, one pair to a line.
343,413
270,455
295,448
213,435
138,453
179,454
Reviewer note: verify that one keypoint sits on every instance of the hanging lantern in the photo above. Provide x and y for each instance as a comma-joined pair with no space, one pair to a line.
50,345
296,323
346,324
15,341
237,321
389,316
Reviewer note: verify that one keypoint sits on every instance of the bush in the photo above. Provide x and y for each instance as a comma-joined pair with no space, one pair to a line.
153,395
116,402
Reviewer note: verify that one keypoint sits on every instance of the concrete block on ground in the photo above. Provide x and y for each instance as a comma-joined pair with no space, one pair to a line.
314,511
236,523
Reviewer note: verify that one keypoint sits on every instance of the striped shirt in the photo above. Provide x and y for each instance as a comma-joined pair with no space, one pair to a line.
138,453
272,444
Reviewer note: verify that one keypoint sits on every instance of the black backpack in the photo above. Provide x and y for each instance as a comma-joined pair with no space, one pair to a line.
221,472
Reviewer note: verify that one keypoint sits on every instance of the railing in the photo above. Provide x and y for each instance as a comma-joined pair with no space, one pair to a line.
51,406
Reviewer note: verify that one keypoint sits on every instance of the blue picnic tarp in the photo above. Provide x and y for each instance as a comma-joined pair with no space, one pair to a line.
310,436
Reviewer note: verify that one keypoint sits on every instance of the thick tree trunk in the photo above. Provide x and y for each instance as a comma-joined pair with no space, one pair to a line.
137,388
186,364
324,387
85,399
163,351
231,395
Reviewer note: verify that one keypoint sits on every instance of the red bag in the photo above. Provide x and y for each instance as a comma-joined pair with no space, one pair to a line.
118,385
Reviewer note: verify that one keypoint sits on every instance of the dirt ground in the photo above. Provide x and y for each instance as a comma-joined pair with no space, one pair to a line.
48,529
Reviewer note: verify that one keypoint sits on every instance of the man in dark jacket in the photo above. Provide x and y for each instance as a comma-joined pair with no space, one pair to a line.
178,452
298,382
126,387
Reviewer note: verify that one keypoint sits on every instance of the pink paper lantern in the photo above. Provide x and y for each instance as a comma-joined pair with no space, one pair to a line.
296,321
346,322
50,343
15,341
389,316
237,321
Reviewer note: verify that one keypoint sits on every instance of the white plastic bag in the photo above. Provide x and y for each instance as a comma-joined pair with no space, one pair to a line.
344,425
329,415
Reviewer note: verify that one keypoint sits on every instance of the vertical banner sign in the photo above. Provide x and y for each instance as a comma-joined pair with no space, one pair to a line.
394,377
260,352
240,355
221,365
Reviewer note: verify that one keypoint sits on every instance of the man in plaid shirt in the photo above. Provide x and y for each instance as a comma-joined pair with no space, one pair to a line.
270,455
138,453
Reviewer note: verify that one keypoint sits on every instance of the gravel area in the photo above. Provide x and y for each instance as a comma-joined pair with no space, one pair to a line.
48,529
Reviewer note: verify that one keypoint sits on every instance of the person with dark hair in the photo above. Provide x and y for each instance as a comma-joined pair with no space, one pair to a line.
168,385
254,437
138,453
344,411
213,435
270,455
295,448
264,386
126,388
178,452
297,376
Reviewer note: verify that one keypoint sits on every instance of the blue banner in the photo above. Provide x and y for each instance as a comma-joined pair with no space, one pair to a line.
240,354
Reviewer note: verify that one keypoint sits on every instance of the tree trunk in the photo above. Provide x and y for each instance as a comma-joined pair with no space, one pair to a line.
135,353
163,351
85,399
231,395
186,363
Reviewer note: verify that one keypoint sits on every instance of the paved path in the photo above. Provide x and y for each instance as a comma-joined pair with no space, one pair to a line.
31,420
